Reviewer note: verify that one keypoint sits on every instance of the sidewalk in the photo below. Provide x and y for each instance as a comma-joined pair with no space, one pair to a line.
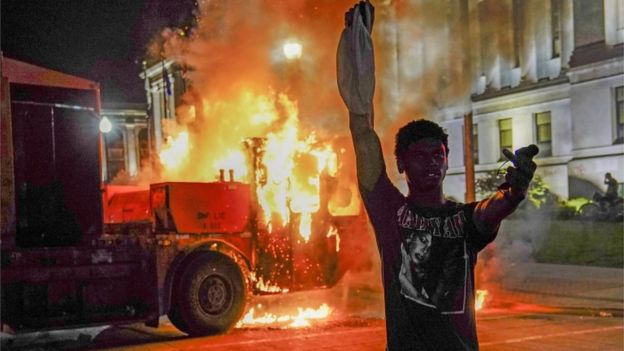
567,286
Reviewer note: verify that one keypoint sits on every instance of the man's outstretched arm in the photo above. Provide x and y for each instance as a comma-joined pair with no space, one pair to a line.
490,212
356,83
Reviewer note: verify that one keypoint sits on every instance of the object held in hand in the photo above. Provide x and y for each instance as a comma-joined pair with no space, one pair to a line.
367,11
519,177
528,151
355,62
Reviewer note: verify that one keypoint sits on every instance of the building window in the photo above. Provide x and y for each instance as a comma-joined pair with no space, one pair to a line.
555,27
505,136
619,115
543,132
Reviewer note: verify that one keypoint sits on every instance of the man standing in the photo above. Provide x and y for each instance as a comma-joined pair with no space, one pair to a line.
428,245
612,188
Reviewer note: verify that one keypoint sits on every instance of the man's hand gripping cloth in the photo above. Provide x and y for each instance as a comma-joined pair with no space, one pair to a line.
355,59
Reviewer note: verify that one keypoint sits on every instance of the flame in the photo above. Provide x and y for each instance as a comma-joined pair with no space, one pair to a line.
176,148
480,299
333,231
289,180
265,287
283,186
305,226
301,319
339,207
235,161
228,101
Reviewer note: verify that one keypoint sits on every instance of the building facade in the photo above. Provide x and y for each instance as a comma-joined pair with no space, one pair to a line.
545,72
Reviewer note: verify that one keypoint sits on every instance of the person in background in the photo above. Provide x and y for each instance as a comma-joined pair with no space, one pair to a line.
612,187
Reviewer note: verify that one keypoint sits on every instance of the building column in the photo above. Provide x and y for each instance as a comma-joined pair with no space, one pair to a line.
131,152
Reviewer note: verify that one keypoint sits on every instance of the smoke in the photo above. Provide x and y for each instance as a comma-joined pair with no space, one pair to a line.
239,84
501,264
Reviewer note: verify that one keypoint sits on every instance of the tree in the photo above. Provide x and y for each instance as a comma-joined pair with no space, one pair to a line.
538,193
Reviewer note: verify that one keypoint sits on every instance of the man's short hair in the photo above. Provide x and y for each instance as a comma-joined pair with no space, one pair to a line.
418,130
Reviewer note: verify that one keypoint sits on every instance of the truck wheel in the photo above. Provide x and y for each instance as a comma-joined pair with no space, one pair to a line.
212,296
176,319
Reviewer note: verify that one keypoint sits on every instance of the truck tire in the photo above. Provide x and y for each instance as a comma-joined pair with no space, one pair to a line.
212,296
176,319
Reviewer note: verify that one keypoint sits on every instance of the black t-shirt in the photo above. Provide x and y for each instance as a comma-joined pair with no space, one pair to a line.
428,257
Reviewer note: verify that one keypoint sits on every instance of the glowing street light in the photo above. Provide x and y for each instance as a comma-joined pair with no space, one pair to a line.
292,50
105,125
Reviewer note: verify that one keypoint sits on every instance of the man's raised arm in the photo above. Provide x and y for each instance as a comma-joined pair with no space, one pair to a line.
356,82
368,156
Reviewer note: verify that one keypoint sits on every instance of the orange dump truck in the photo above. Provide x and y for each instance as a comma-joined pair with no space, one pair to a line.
77,252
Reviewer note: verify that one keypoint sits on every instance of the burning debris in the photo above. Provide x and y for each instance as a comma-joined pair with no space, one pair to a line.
301,319
268,287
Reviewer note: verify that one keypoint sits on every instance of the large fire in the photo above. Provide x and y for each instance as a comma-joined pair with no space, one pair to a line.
288,178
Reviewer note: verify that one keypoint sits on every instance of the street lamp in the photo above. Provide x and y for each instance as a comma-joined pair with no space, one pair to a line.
292,50
105,125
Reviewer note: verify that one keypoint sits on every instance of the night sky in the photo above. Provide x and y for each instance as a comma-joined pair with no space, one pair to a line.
100,40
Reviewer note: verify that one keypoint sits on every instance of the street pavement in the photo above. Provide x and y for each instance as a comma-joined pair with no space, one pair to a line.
536,307
566,286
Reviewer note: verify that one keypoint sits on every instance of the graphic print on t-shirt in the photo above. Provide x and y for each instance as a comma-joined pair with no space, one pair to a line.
433,259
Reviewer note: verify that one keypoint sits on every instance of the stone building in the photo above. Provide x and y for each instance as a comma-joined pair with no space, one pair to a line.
549,72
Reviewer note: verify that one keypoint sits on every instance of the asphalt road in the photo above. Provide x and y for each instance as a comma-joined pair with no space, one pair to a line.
354,323
518,327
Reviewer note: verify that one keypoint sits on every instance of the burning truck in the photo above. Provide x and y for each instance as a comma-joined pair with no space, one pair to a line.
77,252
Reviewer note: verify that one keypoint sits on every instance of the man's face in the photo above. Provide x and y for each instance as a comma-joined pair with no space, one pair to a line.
425,163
